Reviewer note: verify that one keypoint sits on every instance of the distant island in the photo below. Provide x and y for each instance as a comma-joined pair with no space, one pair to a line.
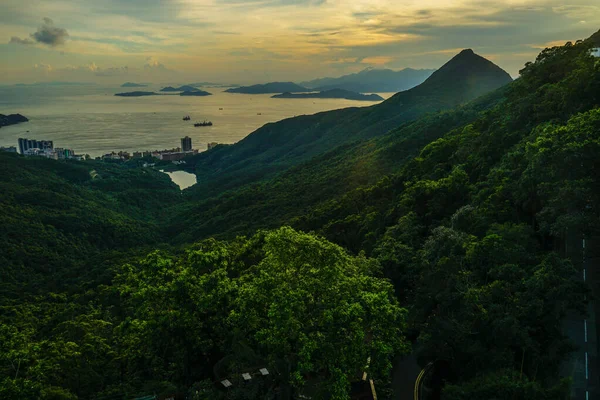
330,94
272,87
184,88
136,94
195,93
212,84
132,84
12,119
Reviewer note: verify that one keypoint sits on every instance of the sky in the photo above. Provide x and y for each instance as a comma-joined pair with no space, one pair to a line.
257,41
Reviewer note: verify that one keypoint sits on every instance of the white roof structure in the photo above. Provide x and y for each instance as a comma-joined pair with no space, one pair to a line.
264,371
226,383
247,376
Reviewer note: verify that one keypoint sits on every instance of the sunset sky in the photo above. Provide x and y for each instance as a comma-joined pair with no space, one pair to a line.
253,41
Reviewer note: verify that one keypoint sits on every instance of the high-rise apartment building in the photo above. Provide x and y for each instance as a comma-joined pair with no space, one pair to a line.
186,144
27,144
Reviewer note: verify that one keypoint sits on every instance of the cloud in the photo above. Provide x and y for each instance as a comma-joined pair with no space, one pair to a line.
274,3
92,67
423,13
50,34
366,14
17,40
225,33
98,71
151,68
576,11
343,63
378,60
113,71
287,39
549,44
240,53
43,67
152,64
47,34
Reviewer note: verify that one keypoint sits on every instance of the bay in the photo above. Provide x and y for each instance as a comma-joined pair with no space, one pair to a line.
90,120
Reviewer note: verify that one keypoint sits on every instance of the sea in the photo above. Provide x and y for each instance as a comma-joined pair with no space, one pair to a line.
89,119
182,179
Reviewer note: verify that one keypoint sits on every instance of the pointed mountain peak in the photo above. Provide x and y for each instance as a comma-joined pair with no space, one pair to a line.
467,57
468,63
466,76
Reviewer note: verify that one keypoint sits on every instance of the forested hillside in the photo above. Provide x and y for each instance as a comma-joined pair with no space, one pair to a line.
443,237
469,225
512,111
56,217
278,146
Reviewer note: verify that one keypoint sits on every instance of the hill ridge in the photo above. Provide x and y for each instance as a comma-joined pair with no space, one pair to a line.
280,145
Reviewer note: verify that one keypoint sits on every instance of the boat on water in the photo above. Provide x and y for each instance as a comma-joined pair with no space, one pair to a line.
203,123
186,118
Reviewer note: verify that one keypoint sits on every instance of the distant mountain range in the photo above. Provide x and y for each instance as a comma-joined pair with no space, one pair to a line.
132,84
272,87
373,80
286,143
369,80
330,94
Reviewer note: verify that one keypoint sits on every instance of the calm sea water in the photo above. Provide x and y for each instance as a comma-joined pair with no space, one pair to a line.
182,179
90,119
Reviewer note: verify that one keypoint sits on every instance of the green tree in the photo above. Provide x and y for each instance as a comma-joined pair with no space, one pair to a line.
317,313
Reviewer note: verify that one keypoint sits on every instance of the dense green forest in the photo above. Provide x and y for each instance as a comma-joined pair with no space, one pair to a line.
442,237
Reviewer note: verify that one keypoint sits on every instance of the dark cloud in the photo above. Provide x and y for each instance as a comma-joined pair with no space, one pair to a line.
47,34
366,14
506,35
319,32
50,34
18,40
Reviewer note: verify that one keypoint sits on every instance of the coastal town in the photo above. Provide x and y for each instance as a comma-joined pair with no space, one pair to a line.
45,148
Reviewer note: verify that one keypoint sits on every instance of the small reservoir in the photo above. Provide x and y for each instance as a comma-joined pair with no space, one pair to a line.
182,179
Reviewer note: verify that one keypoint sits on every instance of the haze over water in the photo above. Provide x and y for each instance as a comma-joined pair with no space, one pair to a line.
90,119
